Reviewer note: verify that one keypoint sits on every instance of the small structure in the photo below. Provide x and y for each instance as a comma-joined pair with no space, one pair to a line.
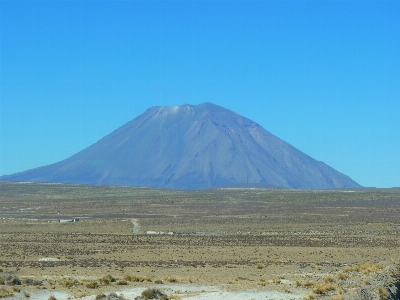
159,232
68,220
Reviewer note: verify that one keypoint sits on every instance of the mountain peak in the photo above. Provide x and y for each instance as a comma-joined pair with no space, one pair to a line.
190,147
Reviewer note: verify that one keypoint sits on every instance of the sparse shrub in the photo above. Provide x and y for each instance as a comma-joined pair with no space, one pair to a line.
16,289
371,268
311,296
36,283
342,276
316,267
68,283
5,292
277,280
383,293
122,282
39,287
340,290
27,295
92,285
27,281
171,279
1,270
153,294
329,279
101,297
112,296
133,278
13,281
366,268
158,281
260,266
106,280
264,281
287,290
52,297
136,278
2,280
306,284
322,288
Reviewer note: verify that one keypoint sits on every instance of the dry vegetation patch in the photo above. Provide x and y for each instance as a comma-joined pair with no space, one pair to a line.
324,244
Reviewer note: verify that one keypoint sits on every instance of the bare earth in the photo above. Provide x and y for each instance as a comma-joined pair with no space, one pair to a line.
219,244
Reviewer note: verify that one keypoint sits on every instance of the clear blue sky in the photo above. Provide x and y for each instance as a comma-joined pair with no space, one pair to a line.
322,75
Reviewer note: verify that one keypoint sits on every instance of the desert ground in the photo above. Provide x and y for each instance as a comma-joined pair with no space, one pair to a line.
210,244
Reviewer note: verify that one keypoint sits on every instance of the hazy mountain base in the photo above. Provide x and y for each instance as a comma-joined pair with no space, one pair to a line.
323,244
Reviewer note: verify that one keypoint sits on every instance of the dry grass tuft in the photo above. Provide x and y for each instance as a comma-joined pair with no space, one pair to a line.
92,285
106,280
277,280
136,278
5,292
342,276
311,296
306,284
154,294
365,268
323,288
260,266
68,283
287,290
171,279
329,279
101,297
383,293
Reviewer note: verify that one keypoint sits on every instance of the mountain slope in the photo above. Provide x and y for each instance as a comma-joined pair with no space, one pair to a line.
190,147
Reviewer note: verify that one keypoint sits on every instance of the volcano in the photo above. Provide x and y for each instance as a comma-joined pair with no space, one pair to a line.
190,147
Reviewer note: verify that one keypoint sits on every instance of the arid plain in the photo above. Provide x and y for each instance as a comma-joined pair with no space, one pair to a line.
342,244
